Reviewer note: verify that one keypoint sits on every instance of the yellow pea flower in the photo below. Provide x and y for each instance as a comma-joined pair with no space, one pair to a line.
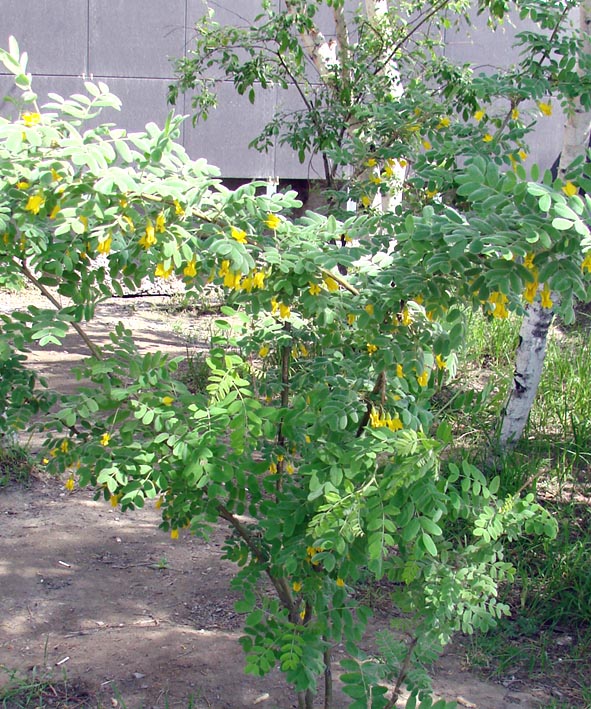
426,144
586,264
162,272
479,115
570,190
371,348
406,317
514,114
289,469
160,223
530,292
365,201
55,176
239,235
423,379
159,502
545,108
369,309
69,484
372,162
105,438
178,209
34,203
54,212
545,297
22,185
64,446
149,237
264,351
31,119
167,400
272,467
190,270
522,155
399,371
284,311
297,586
314,289
174,533
488,138
440,362
444,122
258,279
114,500
104,247
307,438
351,318
272,221
340,583
331,284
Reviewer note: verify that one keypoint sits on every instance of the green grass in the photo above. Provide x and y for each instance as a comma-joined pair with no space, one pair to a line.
38,689
16,466
548,636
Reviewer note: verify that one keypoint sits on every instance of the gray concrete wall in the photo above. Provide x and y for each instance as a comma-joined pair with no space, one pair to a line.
128,44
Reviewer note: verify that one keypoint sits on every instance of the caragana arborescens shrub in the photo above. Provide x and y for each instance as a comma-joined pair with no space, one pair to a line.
313,440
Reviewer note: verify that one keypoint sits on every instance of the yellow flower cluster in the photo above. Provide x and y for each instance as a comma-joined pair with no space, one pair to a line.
281,308
149,237
531,289
499,302
380,420
34,203
31,119
236,281
586,264
423,378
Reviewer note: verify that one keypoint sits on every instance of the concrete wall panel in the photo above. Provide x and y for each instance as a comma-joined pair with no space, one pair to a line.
53,32
223,139
135,38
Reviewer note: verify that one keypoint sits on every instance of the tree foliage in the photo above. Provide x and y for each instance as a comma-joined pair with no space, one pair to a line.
314,439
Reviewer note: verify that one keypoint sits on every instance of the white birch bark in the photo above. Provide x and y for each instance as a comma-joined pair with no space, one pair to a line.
528,371
536,321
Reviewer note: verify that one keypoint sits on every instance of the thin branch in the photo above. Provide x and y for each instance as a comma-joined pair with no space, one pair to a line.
402,675
31,278
340,280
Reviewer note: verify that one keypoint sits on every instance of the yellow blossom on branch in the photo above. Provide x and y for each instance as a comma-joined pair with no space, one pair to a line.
406,317
161,272
369,309
114,500
65,446
272,467
440,362
272,221
22,185
149,237
160,223
34,203
178,209
545,297
258,279
423,379
167,400
530,292
479,115
174,533
514,114
545,108
297,586
487,138
239,235
104,247
31,119
331,284
159,502
351,318
570,190
371,348
190,270
586,264
399,371
264,351
444,122
522,155
365,200
105,438
314,289
69,485
339,582
426,144
54,212
55,176
232,280
284,311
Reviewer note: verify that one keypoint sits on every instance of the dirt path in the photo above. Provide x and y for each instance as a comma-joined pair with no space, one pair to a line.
136,619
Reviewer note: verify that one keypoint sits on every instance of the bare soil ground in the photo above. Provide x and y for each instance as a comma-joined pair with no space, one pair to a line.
132,617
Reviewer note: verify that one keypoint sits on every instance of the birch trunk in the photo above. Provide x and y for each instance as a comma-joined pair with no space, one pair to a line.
536,321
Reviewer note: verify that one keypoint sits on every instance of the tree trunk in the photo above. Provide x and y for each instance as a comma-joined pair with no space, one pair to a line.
536,321
528,371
